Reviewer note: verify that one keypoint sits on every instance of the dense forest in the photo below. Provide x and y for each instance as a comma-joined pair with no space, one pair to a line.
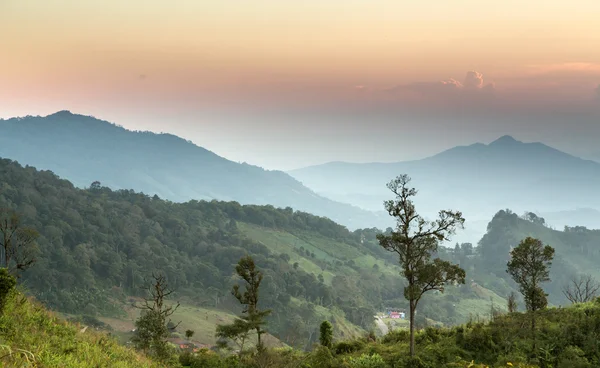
97,246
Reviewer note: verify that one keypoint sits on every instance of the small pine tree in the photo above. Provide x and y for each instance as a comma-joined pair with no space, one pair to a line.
326,334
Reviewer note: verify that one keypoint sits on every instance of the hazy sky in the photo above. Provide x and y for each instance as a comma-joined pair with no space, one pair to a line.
284,84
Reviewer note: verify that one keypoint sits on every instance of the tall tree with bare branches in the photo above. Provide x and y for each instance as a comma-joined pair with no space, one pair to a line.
581,289
17,243
152,327
415,240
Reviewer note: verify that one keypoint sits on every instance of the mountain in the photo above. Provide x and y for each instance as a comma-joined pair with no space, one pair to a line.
477,179
84,149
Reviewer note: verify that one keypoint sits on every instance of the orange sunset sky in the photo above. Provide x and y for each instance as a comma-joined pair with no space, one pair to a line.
126,61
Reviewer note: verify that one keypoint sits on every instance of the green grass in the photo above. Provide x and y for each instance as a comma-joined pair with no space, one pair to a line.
325,249
203,321
30,336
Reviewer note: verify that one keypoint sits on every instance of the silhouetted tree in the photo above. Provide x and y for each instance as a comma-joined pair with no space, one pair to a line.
415,240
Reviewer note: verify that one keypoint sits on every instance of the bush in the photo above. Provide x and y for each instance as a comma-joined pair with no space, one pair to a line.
7,284
396,336
345,347
410,362
367,361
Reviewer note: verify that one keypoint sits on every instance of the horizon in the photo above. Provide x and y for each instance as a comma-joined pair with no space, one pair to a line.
287,85
442,150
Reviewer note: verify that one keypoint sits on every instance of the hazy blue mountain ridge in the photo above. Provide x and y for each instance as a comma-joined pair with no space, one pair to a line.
84,149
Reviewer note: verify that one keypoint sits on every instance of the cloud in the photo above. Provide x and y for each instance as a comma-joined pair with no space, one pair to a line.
473,80
473,83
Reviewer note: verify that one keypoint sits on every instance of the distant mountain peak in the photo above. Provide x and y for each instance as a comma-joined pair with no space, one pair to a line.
505,140
62,113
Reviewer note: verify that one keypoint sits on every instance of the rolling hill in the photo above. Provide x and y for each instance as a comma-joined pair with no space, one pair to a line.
83,149
98,247
478,180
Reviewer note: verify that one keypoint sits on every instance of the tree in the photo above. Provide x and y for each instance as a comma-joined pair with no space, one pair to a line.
582,289
238,332
189,334
326,334
529,266
255,317
17,242
7,284
415,240
96,185
152,328
512,302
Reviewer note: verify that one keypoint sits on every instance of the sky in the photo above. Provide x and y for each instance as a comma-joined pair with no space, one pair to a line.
284,84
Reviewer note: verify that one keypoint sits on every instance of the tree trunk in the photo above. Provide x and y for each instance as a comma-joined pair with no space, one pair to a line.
259,345
533,330
412,328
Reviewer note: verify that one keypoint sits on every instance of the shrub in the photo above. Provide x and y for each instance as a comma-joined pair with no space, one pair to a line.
367,361
345,347
7,284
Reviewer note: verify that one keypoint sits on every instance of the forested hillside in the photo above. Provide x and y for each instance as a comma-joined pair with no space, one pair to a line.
577,252
98,246
83,149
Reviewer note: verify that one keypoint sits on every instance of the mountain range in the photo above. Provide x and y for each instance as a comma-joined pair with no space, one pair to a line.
478,180
84,149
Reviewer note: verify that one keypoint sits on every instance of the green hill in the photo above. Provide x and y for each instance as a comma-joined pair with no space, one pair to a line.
98,246
577,252
30,336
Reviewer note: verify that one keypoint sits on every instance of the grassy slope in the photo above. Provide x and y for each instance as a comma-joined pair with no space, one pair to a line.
32,336
324,249
203,321
327,249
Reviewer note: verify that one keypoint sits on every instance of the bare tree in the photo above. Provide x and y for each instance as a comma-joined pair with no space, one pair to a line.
581,289
17,243
152,328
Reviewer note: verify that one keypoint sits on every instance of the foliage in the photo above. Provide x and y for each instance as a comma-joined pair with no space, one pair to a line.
246,269
326,334
7,285
367,361
17,243
415,240
529,267
97,246
153,326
